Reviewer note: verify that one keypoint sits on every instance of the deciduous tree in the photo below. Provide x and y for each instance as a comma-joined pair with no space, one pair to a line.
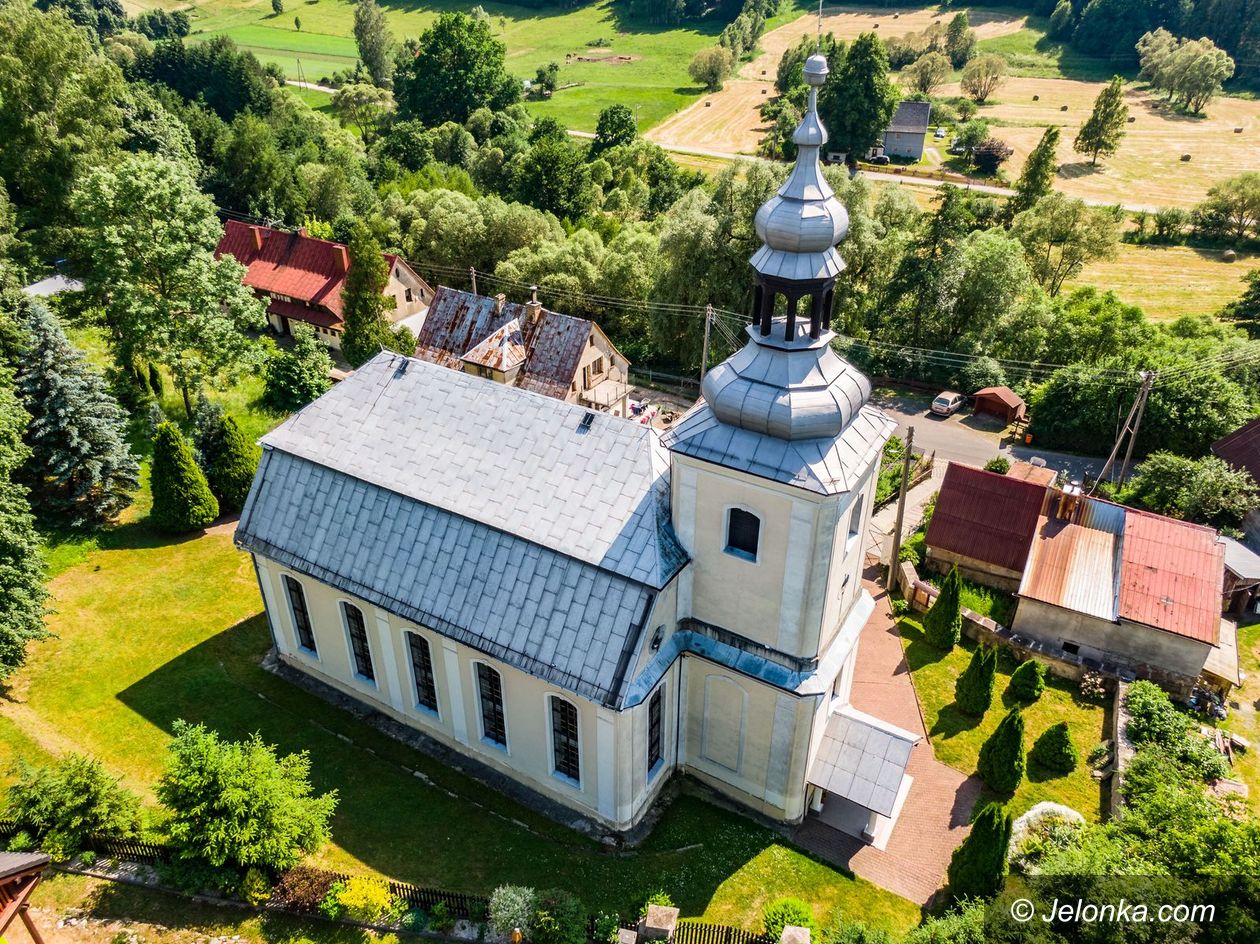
456,67
296,376
70,800
1232,207
148,242
960,40
555,179
1206,490
81,472
364,106
1061,235
364,302
374,41
1104,128
1245,311
983,76
859,98
238,803
1037,177
927,73
615,127
710,67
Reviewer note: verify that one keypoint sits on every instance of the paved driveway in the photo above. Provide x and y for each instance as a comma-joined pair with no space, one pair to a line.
935,817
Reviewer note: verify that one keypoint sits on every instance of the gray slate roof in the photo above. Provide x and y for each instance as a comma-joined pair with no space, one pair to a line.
477,510
911,118
504,457
862,759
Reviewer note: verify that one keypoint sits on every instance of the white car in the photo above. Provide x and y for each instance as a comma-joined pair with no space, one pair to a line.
948,403
940,133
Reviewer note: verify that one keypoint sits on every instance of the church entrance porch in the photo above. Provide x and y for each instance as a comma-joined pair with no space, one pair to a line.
934,813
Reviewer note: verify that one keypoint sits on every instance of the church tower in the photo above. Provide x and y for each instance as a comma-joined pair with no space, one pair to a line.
773,478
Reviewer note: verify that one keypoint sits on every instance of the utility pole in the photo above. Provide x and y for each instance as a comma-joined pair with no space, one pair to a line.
1148,381
704,353
472,275
1115,450
891,579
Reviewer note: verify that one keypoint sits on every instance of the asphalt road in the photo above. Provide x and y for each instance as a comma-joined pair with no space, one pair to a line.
971,440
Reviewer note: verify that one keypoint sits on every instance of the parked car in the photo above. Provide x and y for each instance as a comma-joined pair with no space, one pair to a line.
880,159
940,133
948,403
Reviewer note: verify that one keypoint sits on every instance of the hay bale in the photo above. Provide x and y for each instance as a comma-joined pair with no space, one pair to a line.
1132,119
1238,131
1185,158
1036,98
708,104
763,91
1063,108
1229,255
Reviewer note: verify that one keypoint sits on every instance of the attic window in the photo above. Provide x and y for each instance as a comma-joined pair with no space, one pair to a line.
1072,648
657,638
587,420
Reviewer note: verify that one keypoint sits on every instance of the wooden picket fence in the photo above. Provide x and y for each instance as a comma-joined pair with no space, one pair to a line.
691,932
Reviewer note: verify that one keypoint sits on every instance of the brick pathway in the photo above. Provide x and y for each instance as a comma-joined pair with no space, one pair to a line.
934,819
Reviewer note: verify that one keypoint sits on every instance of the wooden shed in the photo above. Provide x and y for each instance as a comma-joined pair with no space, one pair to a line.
1000,401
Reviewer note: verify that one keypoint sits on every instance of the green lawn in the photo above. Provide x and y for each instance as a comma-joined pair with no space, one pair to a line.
1031,54
149,630
1244,712
956,737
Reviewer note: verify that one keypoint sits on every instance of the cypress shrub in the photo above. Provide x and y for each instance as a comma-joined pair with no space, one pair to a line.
155,380
182,500
1028,680
232,466
1002,755
974,690
1055,751
978,867
942,624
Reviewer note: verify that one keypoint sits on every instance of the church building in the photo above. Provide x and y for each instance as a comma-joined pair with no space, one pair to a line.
583,605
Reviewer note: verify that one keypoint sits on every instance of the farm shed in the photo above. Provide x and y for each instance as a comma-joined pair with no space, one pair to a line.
1000,401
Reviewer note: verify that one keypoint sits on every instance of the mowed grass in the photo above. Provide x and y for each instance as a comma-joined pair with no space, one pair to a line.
1031,54
651,78
1244,712
1167,282
957,737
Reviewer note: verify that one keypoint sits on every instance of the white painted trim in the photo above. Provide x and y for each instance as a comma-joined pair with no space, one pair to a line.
388,660
455,686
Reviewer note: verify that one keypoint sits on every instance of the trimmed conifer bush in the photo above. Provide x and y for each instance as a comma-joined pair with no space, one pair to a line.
974,690
942,624
1055,751
1028,680
182,500
979,867
1002,758
232,465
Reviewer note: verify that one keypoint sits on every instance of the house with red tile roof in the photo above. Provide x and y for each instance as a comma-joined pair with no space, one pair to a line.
526,346
301,278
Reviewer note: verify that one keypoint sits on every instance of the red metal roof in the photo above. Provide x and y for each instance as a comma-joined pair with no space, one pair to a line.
1171,574
986,516
1241,448
1008,396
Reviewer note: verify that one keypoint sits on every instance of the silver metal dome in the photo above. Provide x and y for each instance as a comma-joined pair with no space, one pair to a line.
804,217
797,389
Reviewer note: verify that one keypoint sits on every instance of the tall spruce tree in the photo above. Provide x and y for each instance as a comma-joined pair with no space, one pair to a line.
1002,758
1104,128
22,593
859,99
979,865
81,472
1037,177
363,300
974,690
182,500
942,624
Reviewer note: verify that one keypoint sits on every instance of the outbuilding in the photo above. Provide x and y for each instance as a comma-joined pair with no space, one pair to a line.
1000,401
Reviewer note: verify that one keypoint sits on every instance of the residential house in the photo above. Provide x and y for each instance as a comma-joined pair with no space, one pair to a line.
301,278
581,607
525,346
1097,584
907,132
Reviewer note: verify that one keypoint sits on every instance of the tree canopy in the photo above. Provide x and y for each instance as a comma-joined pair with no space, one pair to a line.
456,67
858,100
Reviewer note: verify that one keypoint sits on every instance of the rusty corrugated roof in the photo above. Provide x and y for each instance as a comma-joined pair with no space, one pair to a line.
503,349
986,516
1075,563
1171,576
459,322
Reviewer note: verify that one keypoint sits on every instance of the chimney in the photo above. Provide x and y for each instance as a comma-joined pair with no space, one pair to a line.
341,259
533,307
499,301
1070,501
302,232
258,237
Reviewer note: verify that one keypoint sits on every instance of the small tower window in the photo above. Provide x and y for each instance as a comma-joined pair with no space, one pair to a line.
743,530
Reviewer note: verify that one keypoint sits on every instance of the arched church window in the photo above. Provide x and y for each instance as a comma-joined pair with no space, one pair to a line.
743,531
